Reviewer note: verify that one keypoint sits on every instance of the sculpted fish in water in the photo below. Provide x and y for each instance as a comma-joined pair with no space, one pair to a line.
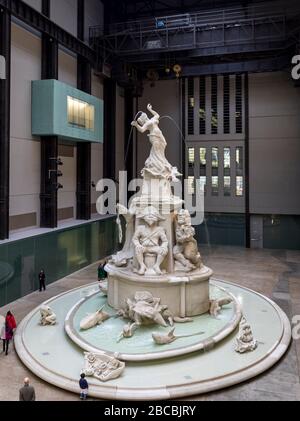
94,319
217,305
160,339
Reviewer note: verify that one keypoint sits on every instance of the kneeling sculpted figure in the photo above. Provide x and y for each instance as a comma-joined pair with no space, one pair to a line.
151,240
186,253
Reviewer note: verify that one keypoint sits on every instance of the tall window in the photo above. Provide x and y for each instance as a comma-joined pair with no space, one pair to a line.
191,106
239,171
240,186
227,186
203,160
191,157
226,116
239,104
203,166
207,102
203,184
215,186
239,160
202,109
215,171
227,160
81,114
191,185
214,104
227,171
215,160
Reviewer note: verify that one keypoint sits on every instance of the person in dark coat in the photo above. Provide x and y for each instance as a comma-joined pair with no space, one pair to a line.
27,392
10,326
102,274
84,387
42,279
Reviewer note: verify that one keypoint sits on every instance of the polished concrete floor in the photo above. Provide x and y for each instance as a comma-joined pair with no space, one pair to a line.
274,273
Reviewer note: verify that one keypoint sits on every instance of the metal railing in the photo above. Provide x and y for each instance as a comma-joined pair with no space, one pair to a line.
213,18
259,27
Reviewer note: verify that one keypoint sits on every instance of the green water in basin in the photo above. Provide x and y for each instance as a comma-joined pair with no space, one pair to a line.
105,336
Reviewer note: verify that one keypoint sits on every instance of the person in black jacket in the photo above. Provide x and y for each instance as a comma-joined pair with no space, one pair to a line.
42,279
102,274
84,387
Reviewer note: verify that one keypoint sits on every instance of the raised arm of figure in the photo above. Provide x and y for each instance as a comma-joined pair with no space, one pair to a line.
154,113
141,129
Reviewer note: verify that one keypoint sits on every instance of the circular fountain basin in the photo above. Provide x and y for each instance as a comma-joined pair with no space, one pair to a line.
50,354
205,330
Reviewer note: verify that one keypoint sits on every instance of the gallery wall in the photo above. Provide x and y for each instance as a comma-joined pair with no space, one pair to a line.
274,144
25,149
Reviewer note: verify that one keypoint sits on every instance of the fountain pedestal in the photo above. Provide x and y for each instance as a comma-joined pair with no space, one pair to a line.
186,295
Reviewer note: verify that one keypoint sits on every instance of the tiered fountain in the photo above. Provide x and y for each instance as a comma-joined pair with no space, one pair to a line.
159,279
159,328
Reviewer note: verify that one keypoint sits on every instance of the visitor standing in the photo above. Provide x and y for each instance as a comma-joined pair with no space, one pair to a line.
8,333
2,331
42,279
27,392
84,387
102,274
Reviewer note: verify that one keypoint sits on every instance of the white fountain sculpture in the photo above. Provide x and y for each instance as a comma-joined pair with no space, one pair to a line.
48,317
216,306
170,337
160,254
245,341
186,253
95,319
102,366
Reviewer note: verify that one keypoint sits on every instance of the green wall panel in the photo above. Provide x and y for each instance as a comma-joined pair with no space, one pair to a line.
282,232
222,229
59,253
50,112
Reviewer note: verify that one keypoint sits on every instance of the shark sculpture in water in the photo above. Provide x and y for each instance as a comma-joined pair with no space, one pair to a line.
92,320
160,339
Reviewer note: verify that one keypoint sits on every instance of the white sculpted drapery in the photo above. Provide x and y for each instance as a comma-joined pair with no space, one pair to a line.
157,164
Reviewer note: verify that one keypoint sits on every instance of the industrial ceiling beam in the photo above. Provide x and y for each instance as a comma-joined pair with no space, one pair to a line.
271,64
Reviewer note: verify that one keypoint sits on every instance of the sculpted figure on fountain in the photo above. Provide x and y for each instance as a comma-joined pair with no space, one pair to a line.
186,254
150,242
157,164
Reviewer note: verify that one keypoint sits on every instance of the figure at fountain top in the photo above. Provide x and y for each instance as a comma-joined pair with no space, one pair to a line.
157,165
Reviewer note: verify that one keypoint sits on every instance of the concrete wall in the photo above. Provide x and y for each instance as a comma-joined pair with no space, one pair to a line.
25,150
274,144
67,68
64,13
